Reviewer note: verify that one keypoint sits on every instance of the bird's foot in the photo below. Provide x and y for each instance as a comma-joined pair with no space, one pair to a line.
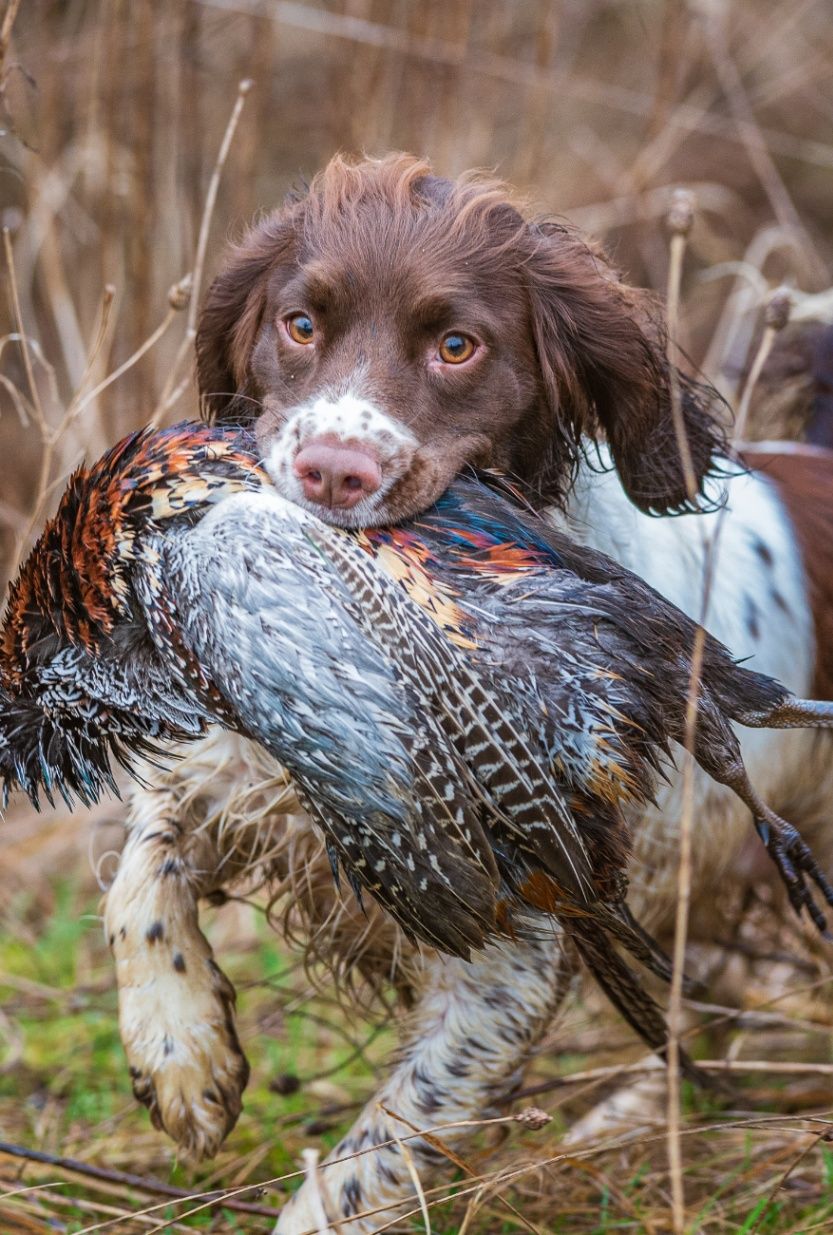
797,867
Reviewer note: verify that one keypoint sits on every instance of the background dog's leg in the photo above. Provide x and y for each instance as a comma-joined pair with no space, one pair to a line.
176,1006
465,1047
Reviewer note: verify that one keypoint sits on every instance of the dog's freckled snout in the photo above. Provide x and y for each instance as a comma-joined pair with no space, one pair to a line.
334,474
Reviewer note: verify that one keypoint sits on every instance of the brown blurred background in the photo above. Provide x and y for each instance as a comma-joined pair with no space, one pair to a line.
112,113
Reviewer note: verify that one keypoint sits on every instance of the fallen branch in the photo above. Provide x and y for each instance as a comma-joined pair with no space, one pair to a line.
156,1187
774,1068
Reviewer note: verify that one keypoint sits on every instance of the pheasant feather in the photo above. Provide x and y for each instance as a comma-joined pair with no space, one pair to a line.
466,703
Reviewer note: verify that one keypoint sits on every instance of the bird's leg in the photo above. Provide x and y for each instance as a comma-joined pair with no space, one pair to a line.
176,1006
466,1043
794,859
792,714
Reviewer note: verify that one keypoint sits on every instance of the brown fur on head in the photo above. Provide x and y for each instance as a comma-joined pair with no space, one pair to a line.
385,261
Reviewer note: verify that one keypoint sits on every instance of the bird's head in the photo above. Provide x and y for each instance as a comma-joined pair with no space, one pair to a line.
73,595
74,586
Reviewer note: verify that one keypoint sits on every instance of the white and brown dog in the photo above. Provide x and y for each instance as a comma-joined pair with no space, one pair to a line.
384,330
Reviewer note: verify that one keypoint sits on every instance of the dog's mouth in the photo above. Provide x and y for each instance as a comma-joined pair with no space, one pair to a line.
344,485
354,465
363,514
340,458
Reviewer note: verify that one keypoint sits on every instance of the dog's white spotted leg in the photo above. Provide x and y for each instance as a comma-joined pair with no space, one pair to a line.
176,1007
465,1049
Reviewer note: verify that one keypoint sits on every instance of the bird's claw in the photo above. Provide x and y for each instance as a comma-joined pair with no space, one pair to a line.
797,867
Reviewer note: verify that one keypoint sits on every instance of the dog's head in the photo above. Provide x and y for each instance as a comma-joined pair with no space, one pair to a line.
388,328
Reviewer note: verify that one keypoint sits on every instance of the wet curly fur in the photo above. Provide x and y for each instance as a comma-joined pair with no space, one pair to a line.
385,247
585,357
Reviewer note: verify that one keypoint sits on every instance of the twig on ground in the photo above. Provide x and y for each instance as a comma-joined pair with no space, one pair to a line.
437,1143
741,1066
141,1183
815,1140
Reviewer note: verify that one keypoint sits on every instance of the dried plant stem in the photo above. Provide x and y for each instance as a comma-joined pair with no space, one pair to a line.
597,1148
460,1162
680,219
677,248
514,1175
815,1140
415,1179
650,1064
752,138
48,436
243,90
170,399
675,1003
322,1224
764,348
77,407
46,433
51,436
100,334
776,316
173,383
34,393
6,35
695,116
125,1178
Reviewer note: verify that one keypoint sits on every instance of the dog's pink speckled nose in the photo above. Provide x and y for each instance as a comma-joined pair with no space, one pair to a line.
336,475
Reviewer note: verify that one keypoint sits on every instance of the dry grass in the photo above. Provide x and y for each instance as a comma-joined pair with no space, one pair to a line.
113,116
64,1091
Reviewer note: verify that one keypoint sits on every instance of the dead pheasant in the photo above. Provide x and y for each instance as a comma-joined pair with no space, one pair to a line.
465,715
610,656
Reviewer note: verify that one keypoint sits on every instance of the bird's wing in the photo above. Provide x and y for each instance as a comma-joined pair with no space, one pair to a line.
496,728
265,634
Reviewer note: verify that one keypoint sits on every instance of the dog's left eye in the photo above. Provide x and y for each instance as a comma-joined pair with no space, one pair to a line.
455,348
300,328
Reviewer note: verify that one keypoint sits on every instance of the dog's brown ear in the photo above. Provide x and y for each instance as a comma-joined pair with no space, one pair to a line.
232,313
602,356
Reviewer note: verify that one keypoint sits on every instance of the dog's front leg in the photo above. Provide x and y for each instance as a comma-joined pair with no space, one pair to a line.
176,1006
466,1046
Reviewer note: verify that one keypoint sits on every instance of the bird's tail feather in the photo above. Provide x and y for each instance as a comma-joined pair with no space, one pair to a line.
627,994
619,921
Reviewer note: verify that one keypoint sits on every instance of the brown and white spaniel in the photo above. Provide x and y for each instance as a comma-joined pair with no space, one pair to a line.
383,330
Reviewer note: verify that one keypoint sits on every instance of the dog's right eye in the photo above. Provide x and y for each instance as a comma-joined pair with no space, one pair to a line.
299,327
457,348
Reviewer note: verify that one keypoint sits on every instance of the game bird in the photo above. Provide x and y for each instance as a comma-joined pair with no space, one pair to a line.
466,702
